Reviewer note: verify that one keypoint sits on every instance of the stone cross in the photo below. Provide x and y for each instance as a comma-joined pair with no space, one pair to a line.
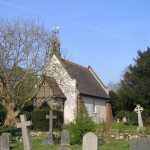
4,141
50,134
90,142
25,132
138,110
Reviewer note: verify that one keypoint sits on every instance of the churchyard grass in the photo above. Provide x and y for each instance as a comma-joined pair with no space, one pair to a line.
120,127
37,145
130,129
116,145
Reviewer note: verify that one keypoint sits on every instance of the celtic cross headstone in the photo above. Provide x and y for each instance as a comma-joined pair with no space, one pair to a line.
139,110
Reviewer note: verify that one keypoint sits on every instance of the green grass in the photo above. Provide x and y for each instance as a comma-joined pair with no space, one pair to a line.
111,145
116,145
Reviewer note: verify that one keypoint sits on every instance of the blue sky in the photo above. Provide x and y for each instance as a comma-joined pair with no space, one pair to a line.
105,34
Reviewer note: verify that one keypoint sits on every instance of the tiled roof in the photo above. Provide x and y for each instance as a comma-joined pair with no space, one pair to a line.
86,82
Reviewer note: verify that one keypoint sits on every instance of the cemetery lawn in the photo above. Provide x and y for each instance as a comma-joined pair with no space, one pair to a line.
37,144
111,145
116,145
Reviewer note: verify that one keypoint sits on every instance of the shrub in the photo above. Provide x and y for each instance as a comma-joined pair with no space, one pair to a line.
12,131
146,116
131,117
82,124
79,128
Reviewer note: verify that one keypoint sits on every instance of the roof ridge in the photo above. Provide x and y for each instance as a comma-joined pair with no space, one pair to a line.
75,63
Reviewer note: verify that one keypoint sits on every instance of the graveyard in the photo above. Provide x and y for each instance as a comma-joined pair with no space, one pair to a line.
83,85
50,112
119,143
121,137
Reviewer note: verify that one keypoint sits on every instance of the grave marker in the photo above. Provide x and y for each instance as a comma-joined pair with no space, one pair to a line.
142,143
4,141
124,119
90,142
65,137
65,140
139,110
25,132
50,134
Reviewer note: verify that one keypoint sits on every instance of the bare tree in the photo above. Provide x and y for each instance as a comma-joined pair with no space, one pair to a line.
24,49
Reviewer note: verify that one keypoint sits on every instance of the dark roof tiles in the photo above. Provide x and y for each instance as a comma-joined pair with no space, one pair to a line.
86,82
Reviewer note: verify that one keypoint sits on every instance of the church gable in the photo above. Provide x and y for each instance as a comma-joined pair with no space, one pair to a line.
56,69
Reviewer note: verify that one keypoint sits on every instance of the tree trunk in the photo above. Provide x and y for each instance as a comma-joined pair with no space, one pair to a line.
10,119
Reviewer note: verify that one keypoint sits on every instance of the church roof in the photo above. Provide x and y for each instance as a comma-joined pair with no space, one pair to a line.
86,82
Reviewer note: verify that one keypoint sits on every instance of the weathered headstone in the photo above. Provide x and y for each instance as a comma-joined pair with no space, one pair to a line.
4,141
139,110
65,140
90,142
118,120
65,137
25,132
124,119
50,133
142,143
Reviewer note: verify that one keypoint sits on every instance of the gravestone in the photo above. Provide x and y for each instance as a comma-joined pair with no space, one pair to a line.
50,133
65,140
90,142
4,141
124,119
142,143
65,137
118,120
139,110
25,132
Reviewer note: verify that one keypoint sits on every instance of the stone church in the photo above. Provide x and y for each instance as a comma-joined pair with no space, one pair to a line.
72,82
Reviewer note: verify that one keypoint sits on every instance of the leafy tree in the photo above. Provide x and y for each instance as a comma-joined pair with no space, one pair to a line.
24,49
135,86
115,102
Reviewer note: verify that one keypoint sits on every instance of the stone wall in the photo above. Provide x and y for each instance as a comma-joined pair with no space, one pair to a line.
68,85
